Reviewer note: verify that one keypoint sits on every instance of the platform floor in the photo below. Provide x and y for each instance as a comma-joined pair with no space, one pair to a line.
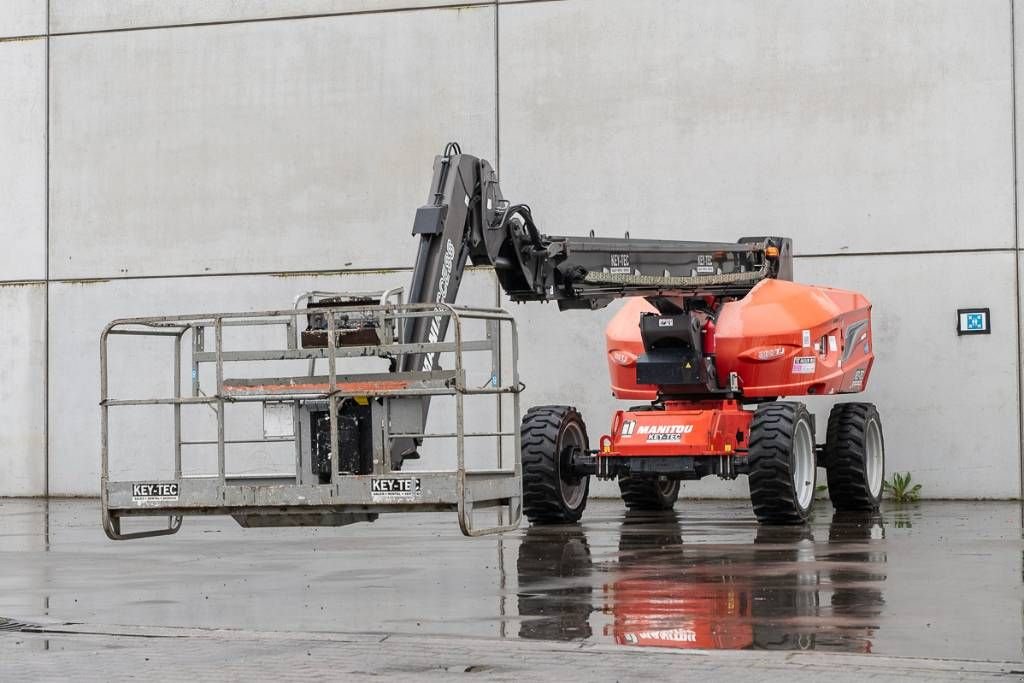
930,591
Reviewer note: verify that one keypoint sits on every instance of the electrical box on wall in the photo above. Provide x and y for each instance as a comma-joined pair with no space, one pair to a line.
973,321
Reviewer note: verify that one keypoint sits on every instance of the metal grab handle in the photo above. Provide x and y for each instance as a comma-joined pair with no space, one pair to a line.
466,512
112,528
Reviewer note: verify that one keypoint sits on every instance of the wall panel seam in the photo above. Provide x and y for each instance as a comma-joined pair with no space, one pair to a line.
293,17
46,267
21,39
497,88
263,20
405,269
1016,241
913,252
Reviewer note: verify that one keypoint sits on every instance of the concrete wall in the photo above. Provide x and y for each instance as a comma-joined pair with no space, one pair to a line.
200,150
23,116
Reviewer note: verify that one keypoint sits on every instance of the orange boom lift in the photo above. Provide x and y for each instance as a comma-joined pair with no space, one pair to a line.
711,337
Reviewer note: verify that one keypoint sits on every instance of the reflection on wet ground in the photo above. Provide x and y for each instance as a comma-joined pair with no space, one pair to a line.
933,580
783,591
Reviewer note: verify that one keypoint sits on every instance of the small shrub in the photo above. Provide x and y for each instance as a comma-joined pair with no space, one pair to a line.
900,489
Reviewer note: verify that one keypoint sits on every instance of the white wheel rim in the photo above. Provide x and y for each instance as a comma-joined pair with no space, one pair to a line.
803,465
572,493
874,456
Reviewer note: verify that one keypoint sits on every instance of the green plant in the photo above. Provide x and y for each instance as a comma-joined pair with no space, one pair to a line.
900,490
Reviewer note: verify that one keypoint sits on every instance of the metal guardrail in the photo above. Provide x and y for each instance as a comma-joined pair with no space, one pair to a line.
289,498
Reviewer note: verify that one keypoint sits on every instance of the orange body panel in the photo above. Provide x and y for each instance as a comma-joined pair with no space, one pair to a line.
622,338
787,339
782,339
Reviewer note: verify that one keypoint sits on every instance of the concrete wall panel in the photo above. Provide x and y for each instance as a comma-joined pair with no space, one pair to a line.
81,310
22,376
849,126
105,15
22,18
948,403
23,159
273,146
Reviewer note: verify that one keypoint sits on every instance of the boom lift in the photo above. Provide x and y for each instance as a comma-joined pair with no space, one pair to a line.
712,335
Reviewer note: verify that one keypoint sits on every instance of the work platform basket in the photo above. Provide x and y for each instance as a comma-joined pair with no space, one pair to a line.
290,372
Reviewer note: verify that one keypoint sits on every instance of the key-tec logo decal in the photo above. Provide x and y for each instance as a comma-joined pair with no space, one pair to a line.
154,492
629,428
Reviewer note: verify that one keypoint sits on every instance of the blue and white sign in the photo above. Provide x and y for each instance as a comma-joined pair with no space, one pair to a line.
973,321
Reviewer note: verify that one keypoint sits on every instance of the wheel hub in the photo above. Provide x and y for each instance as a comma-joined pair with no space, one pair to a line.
874,457
803,465
572,487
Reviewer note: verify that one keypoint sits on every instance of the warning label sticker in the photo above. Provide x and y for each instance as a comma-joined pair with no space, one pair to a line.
155,493
395,490
804,365
858,379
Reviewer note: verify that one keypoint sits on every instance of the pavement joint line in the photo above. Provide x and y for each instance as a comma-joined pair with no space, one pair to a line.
762,657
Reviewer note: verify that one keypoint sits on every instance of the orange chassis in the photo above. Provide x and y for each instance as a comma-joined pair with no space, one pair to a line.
684,428
782,339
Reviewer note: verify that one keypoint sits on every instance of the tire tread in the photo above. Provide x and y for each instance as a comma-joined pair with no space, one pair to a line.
542,496
772,494
846,457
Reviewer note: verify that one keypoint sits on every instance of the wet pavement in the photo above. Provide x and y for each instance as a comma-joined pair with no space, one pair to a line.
936,581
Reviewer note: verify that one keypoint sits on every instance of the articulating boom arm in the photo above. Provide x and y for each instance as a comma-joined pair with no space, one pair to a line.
467,218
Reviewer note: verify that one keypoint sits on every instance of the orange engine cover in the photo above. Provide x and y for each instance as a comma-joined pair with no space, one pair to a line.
781,339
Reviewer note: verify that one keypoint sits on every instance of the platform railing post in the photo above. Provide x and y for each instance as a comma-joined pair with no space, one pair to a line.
219,336
104,434
198,342
514,336
464,507
177,406
493,328
332,387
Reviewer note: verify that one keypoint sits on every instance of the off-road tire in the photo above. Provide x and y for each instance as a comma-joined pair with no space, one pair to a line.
648,494
773,436
543,435
847,456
